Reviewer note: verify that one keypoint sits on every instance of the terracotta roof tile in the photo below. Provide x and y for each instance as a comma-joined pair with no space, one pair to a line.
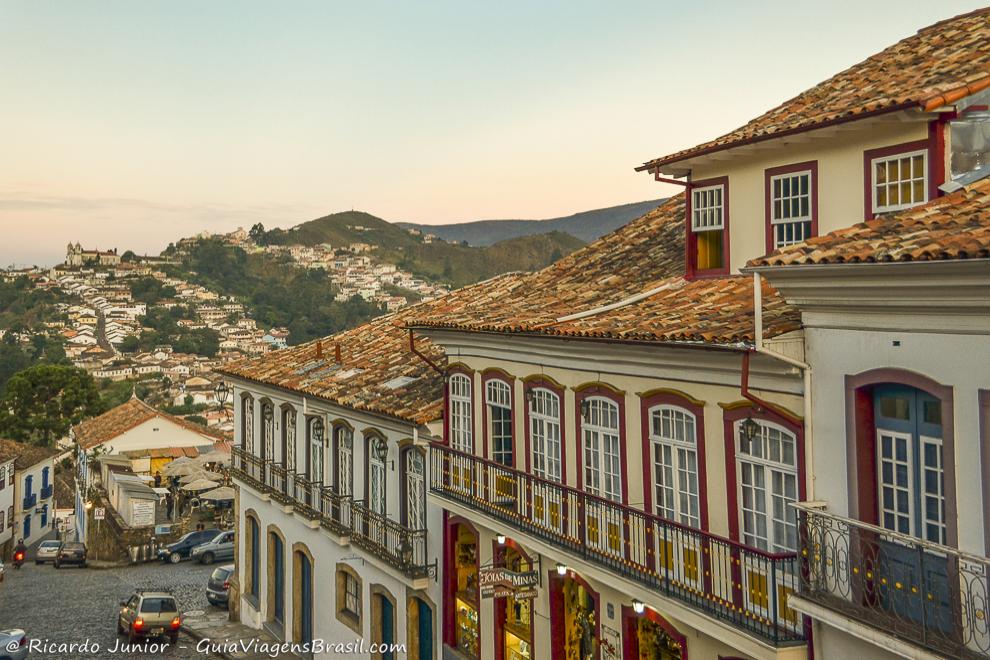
644,257
936,66
125,417
956,226
25,455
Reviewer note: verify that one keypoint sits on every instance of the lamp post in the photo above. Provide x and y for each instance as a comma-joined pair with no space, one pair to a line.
222,393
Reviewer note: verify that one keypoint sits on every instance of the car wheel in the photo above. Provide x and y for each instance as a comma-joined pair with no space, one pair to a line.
207,558
38,562
174,558
58,564
131,637
173,638
120,628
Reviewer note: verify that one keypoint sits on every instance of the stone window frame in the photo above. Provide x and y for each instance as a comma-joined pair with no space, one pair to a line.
352,620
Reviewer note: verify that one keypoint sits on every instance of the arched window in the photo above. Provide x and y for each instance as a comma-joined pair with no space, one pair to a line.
345,460
3,481
289,438
377,456
247,424
2,520
498,397
602,460
768,483
674,441
268,430
254,549
316,434
415,469
544,423
460,414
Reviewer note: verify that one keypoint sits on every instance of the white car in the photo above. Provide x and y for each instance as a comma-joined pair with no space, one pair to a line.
13,644
2,569
47,551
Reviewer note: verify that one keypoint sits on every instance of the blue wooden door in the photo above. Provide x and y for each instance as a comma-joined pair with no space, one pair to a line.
279,570
425,630
306,616
388,627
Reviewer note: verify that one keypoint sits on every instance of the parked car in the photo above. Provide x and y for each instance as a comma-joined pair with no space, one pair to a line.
13,644
70,552
181,549
3,569
218,586
47,551
149,614
220,547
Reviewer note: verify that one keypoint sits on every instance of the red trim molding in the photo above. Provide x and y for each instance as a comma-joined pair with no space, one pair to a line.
486,431
768,175
500,604
933,145
601,390
630,632
541,382
861,442
691,241
458,368
451,524
681,400
984,403
557,637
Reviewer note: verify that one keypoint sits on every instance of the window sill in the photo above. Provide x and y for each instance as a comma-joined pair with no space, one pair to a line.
350,620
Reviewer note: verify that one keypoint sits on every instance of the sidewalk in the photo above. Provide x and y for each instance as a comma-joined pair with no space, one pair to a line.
237,638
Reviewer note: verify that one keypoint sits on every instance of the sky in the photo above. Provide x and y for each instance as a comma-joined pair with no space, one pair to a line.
131,124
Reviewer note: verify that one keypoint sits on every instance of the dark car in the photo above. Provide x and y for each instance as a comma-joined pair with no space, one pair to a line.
218,587
181,549
70,552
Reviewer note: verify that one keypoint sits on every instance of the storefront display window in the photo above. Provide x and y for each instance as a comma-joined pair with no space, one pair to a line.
515,614
580,629
467,630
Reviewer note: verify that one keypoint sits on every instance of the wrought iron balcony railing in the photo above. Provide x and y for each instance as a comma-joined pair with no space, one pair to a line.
30,501
396,544
279,482
250,467
46,492
727,580
928,594
306,494
335,511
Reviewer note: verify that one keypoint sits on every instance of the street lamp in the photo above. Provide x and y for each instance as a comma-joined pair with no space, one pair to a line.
317,430
501,539
561,570
749,429
639,606
381,450
222,391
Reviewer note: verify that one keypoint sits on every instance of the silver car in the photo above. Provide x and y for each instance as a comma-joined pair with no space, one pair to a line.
47,551
13,644
221,547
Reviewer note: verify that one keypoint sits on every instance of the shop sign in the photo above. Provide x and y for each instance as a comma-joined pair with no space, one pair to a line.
498,582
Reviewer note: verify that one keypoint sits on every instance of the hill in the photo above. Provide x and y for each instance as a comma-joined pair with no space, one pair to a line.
453,263
587,225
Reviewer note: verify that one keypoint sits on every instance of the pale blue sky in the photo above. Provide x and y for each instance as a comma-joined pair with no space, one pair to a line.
130,124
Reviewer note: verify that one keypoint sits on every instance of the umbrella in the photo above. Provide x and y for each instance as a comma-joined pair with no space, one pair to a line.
215,456
222,493
185,469
200,484
193,476
173,464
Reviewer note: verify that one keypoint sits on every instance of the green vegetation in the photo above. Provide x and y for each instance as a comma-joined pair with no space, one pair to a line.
276,292
149,290
41,403
456,264
114,393
23,307
164,329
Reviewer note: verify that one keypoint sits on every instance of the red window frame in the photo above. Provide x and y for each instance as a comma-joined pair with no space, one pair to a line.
691,240
768,174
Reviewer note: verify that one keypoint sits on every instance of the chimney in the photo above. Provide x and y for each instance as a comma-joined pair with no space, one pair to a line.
319,349
336,353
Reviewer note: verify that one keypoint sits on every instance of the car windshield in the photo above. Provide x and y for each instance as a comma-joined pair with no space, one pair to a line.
50,544
159,605
186,537
220,574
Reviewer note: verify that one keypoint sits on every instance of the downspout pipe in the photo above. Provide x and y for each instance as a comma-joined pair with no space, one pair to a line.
760,347
415,351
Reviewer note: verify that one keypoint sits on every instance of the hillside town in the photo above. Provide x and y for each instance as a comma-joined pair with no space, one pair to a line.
741,427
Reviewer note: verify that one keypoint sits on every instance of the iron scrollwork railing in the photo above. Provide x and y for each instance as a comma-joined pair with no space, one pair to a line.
248,466
928,594
306,494
745,586
279,482
396,544
335,510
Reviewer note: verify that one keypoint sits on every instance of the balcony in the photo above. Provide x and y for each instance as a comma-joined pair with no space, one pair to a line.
397,545
46,492
403,548
30,501
926,594
726,580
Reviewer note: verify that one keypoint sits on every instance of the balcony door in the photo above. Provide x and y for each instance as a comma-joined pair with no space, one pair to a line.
544,433
415,489
602,474
910,495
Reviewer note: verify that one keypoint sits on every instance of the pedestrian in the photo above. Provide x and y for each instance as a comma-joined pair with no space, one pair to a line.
169,505
158,479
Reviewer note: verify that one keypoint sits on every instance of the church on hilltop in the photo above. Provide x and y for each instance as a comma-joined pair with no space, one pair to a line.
75,255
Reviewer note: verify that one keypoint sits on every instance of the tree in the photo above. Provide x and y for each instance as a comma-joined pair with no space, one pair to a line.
130,344
41,403
257,234
128,257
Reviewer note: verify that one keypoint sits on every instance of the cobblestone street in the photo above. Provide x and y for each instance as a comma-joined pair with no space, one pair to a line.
76,605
